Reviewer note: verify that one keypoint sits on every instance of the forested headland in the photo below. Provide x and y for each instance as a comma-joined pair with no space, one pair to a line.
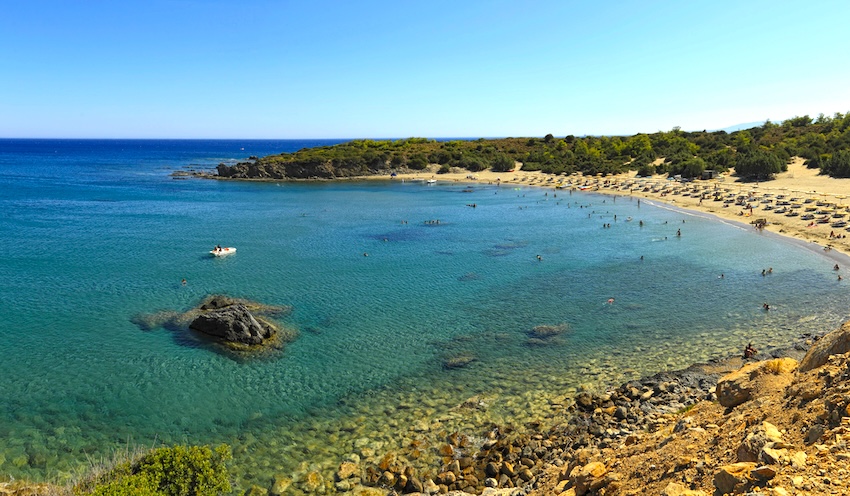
756,153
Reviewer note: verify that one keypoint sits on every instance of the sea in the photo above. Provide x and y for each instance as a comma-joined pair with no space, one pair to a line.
415,306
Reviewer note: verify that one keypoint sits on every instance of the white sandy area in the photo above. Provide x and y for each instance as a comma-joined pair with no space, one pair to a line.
798,184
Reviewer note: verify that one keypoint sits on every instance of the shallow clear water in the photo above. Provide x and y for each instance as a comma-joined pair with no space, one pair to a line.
95,233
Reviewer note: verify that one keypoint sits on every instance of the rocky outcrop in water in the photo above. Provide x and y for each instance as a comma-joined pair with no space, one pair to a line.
234,323
239,325
272,170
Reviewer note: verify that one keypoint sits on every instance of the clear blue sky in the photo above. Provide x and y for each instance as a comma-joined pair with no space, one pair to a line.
351,69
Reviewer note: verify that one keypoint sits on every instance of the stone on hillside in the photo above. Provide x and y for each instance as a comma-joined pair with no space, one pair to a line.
763,435
674,489
798,460
834,343
815,433
763,473
233,323
733,478
773,455
737,387
585,477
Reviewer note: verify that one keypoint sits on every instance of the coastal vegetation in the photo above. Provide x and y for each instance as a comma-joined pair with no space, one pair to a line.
166,471
756,153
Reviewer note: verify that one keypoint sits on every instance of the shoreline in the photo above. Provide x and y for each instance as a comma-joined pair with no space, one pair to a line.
798,182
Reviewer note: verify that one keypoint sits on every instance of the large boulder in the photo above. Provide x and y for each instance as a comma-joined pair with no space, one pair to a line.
232,323
737,387
834,343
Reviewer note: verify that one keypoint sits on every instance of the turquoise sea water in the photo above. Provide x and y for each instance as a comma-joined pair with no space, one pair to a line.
95,233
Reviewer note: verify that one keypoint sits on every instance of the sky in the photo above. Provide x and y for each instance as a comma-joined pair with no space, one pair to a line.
387,69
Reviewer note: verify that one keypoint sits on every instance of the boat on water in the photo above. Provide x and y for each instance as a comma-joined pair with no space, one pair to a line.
431,181
218,251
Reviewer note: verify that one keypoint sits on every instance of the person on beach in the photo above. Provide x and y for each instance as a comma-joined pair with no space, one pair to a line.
749,351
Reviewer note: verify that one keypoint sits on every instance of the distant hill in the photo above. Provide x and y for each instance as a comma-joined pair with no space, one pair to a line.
746,125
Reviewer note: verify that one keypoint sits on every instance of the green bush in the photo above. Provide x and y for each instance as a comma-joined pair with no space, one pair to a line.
418,162
138,485
502,163
174,471
646,170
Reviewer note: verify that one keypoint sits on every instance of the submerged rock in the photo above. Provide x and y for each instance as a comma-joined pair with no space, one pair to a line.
458,361
547,331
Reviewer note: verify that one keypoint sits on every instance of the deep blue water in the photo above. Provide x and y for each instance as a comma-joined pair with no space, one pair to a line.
95,233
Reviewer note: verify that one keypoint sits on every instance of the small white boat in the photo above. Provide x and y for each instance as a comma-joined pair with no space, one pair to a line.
431,181
220,252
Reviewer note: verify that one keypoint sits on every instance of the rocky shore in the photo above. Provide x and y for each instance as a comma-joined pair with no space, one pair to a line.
723,427
776,423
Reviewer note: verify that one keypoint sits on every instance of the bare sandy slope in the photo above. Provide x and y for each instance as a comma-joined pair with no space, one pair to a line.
798,184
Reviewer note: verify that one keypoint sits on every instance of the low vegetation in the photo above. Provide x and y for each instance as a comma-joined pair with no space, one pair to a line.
167,471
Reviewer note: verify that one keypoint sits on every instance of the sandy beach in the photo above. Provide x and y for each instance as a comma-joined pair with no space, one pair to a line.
798,203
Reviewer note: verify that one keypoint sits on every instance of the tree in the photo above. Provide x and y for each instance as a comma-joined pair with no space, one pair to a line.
418,162
639,145
646,170
692,167
502,163
757,163
838,165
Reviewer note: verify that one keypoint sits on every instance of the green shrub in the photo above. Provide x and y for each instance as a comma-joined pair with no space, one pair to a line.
418,162
138,485
174,471
646,170
502,163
